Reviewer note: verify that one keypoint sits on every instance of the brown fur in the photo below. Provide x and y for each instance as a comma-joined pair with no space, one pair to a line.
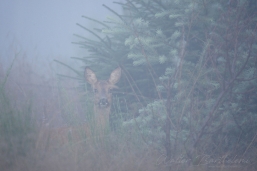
102,96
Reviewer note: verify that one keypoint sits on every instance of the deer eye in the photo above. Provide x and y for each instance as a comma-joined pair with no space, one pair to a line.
95,90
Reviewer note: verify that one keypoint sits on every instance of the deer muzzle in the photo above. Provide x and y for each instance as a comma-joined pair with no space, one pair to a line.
103,103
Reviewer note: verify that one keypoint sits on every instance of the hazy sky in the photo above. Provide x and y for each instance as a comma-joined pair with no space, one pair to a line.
43,29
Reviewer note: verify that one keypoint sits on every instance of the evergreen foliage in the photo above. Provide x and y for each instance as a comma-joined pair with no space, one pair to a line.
192,67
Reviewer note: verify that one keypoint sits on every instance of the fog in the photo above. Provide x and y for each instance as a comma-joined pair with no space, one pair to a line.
43,30
35,33
34,101
184,93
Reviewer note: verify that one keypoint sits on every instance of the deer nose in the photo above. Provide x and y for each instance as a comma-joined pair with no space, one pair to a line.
103,103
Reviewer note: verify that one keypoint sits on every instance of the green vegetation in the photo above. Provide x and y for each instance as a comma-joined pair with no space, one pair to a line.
187,98
191,67
15,126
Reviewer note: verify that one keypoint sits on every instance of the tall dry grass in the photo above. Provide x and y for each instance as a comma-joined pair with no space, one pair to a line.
42,106
36,115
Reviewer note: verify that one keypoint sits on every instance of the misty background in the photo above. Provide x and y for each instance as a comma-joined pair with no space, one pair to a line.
35,33
186,97
42,31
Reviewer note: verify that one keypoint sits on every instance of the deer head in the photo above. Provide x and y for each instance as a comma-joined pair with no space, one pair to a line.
102,94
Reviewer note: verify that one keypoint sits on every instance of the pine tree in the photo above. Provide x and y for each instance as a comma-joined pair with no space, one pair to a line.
192,67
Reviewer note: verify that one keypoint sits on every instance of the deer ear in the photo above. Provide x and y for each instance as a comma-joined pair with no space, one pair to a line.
90,76
115,76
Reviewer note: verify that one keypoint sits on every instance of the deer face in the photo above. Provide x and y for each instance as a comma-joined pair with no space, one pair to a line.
102,88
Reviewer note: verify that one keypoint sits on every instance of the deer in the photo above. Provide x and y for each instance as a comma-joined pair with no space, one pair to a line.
102,100
102,96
